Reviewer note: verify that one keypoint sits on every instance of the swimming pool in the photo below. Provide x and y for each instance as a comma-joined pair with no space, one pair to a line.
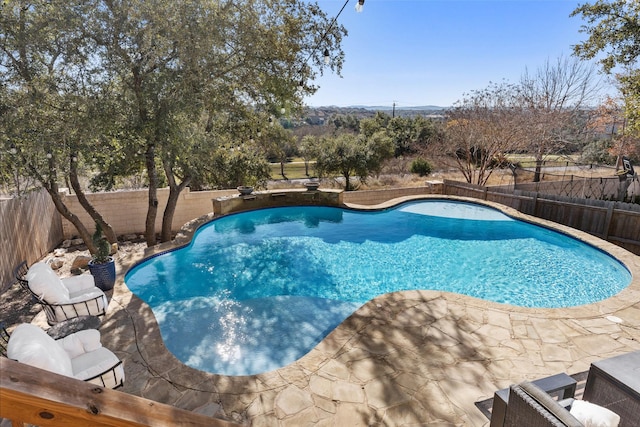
256,291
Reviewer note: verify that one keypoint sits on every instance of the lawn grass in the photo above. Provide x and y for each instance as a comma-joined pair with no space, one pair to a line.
292,170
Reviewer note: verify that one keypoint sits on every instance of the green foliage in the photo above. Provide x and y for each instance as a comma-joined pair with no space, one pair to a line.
421,166
409,134
347,122
598,151
614,29
103,248
352,155
141,87
235,166
630,88
614,37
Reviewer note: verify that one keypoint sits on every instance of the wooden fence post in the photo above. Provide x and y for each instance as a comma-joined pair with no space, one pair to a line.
607,221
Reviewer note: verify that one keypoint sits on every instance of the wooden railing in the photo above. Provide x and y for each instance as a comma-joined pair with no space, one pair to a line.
34,396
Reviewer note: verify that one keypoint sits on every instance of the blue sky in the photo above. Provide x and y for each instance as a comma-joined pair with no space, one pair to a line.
431,52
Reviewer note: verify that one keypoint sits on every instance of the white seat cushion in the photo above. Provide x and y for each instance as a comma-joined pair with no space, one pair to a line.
91,364
85,295
75,284
31,345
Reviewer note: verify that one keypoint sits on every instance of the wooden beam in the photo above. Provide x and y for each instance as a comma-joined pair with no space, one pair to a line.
32,395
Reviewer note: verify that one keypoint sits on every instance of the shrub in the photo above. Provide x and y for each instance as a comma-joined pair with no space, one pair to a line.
103,248
421,167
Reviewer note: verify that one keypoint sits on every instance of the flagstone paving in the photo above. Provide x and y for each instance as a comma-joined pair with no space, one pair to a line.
403,359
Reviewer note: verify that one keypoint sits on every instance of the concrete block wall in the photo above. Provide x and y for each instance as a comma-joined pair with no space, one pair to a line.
126,211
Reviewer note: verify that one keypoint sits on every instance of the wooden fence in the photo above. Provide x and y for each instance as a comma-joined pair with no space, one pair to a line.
616,222
30,227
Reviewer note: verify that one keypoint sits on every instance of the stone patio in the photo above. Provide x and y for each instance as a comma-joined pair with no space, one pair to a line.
404,359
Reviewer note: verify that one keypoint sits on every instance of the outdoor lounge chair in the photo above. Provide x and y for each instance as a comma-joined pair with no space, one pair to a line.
611,398
531,406
61,299
79,355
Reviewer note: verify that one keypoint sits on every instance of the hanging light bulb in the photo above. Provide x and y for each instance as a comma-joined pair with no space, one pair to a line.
270,121
13,149
327,58
49,155
259,133
283,110
74,158
359,5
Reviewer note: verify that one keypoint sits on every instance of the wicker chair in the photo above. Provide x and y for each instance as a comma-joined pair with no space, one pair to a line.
614,383
74,296
530,406
79,355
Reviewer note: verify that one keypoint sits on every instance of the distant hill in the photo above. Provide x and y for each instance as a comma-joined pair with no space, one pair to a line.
318,115
390,108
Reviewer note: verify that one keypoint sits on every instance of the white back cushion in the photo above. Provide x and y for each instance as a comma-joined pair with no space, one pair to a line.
80,342
45,283
31,345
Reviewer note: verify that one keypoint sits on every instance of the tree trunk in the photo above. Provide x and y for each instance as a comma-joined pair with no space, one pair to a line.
152,208
538,172
52,188
170,209
82,199
72,218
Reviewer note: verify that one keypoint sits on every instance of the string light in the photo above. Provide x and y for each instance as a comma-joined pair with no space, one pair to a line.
327,58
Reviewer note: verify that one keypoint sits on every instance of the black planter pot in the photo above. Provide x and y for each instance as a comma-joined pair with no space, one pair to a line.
104,274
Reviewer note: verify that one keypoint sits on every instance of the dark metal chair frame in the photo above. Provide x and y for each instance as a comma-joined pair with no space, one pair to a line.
4,340
4,343
68,310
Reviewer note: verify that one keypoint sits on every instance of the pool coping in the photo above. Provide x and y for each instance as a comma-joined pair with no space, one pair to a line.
306,389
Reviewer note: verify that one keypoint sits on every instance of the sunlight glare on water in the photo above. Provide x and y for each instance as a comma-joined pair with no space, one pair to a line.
256,291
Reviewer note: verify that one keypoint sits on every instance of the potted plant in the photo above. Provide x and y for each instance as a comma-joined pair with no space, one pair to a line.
102,266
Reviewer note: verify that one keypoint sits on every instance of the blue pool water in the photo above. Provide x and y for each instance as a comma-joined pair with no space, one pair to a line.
256,291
